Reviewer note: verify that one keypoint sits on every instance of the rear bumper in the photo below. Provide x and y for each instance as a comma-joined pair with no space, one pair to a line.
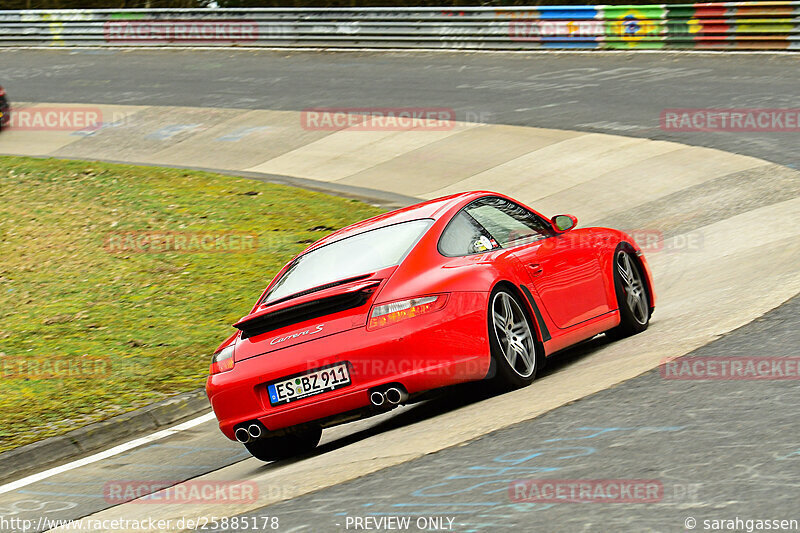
421,353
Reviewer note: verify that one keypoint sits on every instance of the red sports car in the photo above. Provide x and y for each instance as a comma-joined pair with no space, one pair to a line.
473,286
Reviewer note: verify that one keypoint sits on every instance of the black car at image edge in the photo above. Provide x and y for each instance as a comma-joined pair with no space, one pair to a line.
5,109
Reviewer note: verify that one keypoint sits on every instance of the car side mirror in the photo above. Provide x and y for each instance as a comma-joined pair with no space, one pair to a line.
562,223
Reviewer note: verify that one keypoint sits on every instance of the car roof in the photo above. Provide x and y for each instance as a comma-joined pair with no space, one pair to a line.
434,209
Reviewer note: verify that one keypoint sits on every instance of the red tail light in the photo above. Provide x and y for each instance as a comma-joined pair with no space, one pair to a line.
393,312
222,361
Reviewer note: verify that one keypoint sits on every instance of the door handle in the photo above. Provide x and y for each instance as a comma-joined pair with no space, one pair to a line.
536,269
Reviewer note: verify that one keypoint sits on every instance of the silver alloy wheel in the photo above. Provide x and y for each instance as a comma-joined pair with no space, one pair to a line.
633,287
513,334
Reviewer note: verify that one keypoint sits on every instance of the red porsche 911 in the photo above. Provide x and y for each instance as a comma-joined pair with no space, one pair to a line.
473,286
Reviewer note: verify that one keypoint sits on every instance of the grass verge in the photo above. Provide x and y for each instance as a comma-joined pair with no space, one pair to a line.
97,316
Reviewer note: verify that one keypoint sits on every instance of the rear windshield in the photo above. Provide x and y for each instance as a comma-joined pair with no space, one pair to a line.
350,257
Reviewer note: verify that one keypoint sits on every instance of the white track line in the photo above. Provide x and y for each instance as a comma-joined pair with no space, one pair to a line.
106,454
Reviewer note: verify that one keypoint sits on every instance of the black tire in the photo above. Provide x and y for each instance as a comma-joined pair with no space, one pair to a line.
633,298
290,444
503,375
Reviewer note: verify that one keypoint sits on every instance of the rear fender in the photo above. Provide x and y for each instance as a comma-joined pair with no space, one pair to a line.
472,273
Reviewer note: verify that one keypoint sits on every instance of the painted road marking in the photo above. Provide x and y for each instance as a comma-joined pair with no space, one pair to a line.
240,133
135,443
169,132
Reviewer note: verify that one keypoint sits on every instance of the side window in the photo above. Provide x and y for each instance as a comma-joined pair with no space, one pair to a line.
491,223
508,223
464,236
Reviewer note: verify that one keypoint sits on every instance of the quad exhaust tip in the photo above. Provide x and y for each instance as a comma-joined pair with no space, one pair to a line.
392,396
396,396
248,433
377,398
242,435
254,430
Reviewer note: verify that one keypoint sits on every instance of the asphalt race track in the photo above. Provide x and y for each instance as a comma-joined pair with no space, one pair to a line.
741,461
720,449
620,93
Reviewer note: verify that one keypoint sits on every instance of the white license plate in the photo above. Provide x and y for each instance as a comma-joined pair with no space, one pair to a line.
308,384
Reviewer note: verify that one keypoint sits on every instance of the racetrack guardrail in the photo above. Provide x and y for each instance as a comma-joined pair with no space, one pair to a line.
706,26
